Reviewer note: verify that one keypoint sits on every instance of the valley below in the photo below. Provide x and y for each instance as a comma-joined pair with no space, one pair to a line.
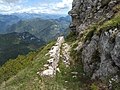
19,36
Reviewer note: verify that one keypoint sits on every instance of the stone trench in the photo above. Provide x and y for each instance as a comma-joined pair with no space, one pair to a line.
59,50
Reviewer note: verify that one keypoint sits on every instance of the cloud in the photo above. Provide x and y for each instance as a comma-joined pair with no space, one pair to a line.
60,7
64,4
10,1
20,6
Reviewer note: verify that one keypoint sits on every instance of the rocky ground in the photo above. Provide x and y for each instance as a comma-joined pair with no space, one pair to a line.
60,51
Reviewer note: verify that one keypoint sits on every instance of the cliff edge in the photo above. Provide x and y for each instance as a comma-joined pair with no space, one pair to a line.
96,23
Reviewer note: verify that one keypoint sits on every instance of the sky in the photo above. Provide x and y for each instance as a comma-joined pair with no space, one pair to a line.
35,6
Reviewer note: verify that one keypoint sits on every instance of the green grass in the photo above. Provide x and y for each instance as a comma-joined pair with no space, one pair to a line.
115,21
94,87
27,78
98,28
12,67
72,37
90,32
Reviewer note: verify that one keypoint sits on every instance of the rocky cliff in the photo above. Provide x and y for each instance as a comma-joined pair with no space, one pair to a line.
97,26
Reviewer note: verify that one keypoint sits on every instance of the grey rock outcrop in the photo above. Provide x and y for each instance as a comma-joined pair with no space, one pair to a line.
101,54
87,12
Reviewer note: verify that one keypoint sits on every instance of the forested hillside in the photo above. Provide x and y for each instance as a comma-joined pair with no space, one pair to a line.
14,44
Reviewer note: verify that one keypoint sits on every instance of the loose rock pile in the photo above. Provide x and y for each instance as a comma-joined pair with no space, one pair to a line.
52,65
66,54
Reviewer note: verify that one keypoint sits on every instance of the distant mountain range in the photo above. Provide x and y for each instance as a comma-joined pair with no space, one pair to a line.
6,21
21,33
14,44
40,15
42,29
26,22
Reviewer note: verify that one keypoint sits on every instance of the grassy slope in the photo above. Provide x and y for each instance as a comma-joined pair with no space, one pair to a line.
27,79
13,44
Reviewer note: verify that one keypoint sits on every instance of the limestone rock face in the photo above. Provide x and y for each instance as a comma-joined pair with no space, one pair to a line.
100,54
115,54
87,12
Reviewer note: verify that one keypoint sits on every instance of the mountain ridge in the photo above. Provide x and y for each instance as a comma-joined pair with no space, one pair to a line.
44,29
14,44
